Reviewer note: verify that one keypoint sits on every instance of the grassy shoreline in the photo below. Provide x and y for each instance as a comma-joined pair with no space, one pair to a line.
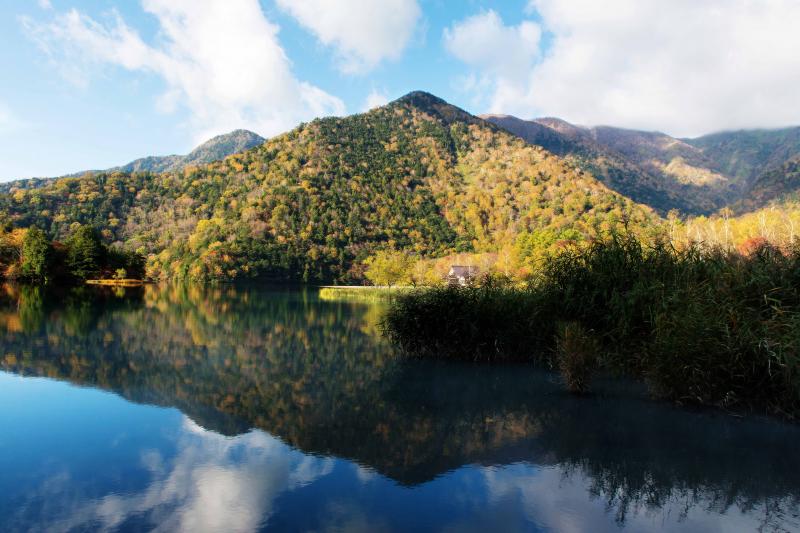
699,326
117,282
362,293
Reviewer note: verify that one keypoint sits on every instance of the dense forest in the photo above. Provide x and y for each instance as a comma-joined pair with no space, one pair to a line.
29,255
417,182
417,176
696,176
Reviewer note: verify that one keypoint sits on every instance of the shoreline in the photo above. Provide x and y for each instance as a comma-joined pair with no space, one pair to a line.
365,293
118,282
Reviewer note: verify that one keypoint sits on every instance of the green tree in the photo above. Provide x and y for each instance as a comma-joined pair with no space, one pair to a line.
36,255
85,252
389,268
5,223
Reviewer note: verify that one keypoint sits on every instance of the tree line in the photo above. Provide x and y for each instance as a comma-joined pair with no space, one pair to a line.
28,254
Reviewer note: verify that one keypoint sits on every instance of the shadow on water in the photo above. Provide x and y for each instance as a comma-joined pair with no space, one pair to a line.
318,376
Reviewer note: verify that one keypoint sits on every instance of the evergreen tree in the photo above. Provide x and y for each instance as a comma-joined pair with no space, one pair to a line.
36,255
85,253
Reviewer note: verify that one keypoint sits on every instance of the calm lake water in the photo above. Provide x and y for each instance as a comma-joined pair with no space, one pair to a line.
243,409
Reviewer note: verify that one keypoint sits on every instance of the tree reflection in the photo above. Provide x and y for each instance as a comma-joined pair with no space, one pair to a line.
318,376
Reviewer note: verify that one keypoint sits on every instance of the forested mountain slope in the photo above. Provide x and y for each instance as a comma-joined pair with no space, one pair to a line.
621,168
417,175
212,150
746,154
777,183
649,167
764,161
695,176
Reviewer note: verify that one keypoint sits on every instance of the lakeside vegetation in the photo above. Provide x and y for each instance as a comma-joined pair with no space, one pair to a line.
363,293
26,254
701,325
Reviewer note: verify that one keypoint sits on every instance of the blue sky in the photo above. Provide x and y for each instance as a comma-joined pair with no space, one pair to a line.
96,83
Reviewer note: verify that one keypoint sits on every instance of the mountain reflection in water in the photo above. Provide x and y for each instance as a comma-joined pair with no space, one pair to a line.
294,414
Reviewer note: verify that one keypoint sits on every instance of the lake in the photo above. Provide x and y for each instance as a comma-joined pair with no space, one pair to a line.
189,408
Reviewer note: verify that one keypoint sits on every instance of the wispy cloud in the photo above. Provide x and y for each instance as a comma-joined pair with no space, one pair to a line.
221,61
363,32
375,98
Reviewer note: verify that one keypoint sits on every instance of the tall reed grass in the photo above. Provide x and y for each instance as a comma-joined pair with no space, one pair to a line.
699,325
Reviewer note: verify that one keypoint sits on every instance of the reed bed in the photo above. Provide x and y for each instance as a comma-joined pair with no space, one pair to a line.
699,325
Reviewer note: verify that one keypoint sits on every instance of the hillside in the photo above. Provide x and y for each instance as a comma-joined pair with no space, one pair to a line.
212,150
746,154
649,167
778,183
617,170
764,161
417,175
742,169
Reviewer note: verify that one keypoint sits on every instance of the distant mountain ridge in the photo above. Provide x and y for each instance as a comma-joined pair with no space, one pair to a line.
617,157
696,176
214,149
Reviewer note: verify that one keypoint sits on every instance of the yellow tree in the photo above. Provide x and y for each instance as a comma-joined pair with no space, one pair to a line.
389,267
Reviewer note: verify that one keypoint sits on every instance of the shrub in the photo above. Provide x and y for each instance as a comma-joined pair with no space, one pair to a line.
700,325
577,353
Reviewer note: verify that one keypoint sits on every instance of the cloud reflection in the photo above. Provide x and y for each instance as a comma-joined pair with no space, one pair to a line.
214,483
561,499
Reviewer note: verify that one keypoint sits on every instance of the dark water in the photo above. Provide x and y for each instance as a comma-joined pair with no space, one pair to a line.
223,409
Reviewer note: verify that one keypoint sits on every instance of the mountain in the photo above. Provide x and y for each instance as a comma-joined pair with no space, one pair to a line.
417,175
778,183
212,150
763,161
746,154
746,168
649,167
616,170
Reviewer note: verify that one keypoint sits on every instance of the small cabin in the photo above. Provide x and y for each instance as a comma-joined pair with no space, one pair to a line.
461,275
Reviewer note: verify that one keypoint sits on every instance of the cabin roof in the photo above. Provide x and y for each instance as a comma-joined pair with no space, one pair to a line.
461,270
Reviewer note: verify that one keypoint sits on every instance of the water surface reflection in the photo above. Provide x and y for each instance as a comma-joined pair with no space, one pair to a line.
278,410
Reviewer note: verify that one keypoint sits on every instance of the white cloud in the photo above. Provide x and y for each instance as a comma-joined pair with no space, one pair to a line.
363,32
222,61
486,43
502,55
45,4
375,99
684,67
